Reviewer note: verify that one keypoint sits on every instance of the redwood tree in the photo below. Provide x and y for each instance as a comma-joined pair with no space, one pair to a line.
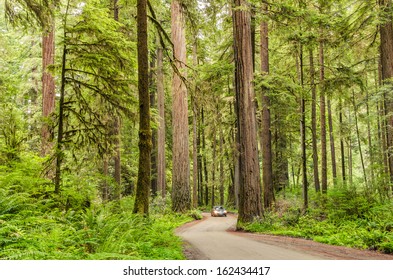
48,85
250,185
181,200
386,49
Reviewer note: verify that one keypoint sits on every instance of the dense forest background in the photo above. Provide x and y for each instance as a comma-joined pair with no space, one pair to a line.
122,119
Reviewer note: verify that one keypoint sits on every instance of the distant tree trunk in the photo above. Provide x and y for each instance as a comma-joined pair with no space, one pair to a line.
350,162
116,9
205,173
383,128
323,117
60,126
280,157
141,205
200,163
105,187
153,176
331,137
116,129
195,176
48,87
195,173
221,165
386,49
267,166
161,178
314,124
342,141
236,170
303,129
358,138
181,200
213,185
250,186
369,137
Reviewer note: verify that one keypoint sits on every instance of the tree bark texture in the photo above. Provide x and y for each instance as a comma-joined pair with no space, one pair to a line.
154,130
314,124
267,165
48,87
117,156
331,138
386,49
303,130
250,186
181,200
323,117
161,165
141,205
195,176
116,129
60,127
343,173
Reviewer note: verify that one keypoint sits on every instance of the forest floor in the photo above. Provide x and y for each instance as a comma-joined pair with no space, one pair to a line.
216,238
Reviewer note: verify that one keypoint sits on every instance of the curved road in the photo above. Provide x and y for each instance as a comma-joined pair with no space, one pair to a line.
211,238
214,238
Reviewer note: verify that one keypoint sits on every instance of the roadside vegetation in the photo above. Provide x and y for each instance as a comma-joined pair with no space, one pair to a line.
345,217
37,224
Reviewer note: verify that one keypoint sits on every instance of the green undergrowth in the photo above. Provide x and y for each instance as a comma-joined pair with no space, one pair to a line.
37,224
346,217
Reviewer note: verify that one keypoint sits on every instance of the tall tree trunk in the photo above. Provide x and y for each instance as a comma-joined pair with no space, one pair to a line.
303,128
331,138
153,90
342,141
200,162
105,187
116,128
195,173
60,126
206,182
323,117
369,137
181,200
161,178
250,185
314,124
213,185
358,139
141,205
350,159
221,165
267,166
48,87
195,176
386,49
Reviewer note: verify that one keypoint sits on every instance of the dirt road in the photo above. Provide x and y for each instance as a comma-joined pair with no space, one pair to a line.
214,238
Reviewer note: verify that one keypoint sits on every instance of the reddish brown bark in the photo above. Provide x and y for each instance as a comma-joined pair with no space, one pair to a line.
181,199
250,185
48,88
